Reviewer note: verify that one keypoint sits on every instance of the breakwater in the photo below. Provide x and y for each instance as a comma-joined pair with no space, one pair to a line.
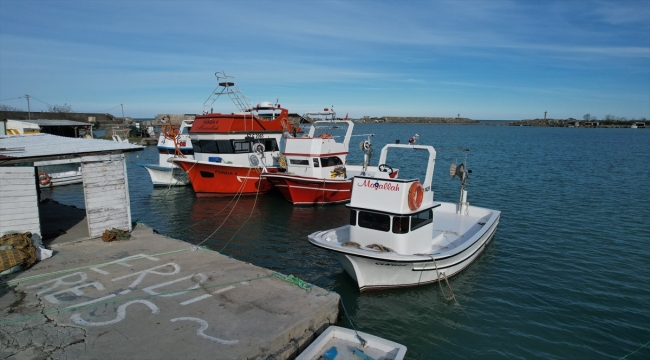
418,120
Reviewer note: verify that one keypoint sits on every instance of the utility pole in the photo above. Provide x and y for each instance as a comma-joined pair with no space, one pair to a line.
29,111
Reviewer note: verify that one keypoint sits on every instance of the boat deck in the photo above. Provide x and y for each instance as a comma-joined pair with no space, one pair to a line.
451,231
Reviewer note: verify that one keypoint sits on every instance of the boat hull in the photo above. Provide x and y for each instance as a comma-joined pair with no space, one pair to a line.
300,190
374,274
216,179
64,178
166,176
349,346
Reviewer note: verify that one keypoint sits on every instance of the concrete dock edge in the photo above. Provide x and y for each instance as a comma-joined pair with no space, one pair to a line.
155,297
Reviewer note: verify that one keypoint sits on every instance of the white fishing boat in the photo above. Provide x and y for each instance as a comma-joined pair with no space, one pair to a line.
398,236
345,344
51,179
173,142
314,166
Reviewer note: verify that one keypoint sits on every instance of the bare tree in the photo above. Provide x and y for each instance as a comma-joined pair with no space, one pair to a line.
586,117
63,109
8,108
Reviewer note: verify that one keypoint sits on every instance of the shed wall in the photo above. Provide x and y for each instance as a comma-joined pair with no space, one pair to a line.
106,193
18,200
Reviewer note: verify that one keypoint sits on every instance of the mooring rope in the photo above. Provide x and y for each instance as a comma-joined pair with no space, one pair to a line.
642,346
160,199
362,340
219,212
237,196
249,215
452,297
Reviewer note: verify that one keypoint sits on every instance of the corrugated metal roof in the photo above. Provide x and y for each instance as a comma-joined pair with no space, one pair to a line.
37,147
47,122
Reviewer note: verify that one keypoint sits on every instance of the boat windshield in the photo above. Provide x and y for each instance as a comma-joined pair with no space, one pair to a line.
374,221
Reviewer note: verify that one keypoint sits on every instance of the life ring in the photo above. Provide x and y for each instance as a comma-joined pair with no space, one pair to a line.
285,124
259,148
416,193
43,178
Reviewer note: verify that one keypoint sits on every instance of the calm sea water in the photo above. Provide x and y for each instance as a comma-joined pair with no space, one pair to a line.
566,276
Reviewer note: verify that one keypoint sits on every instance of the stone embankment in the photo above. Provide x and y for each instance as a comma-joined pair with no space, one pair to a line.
578,123
421,120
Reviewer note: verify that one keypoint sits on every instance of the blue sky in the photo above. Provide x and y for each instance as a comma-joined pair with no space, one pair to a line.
486,59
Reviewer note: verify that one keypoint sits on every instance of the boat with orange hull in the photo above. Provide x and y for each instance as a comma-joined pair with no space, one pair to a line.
214,179
232,150
315,169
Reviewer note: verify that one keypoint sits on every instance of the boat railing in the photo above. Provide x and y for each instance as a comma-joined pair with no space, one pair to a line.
226,86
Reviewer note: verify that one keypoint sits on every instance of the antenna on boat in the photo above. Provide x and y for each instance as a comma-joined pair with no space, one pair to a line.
367,147
463,174
226,86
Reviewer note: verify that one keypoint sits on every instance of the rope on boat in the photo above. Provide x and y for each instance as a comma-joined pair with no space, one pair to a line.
380,247
452,296
351,244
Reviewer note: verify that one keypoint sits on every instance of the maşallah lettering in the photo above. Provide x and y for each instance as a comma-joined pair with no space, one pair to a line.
378,186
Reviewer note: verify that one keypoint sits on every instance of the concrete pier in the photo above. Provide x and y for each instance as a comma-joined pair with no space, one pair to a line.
152,297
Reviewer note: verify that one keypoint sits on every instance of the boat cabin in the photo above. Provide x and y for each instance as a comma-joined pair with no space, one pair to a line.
394,213
318,154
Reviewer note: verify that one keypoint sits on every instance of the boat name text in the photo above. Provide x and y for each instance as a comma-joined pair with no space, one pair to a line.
388,264
377,186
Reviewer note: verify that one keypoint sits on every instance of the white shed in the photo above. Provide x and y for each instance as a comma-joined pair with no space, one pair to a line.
105,182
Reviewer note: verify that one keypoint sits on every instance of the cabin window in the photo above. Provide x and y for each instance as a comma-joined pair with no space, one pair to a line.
330,161
400,224
165,151
242,146
225,147
299,162
374,221
206,174
185,131
271,145
353,217
196,145
316,162
207,146
422,218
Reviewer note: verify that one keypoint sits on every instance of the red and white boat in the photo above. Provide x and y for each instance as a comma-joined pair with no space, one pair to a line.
315,169
232,150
